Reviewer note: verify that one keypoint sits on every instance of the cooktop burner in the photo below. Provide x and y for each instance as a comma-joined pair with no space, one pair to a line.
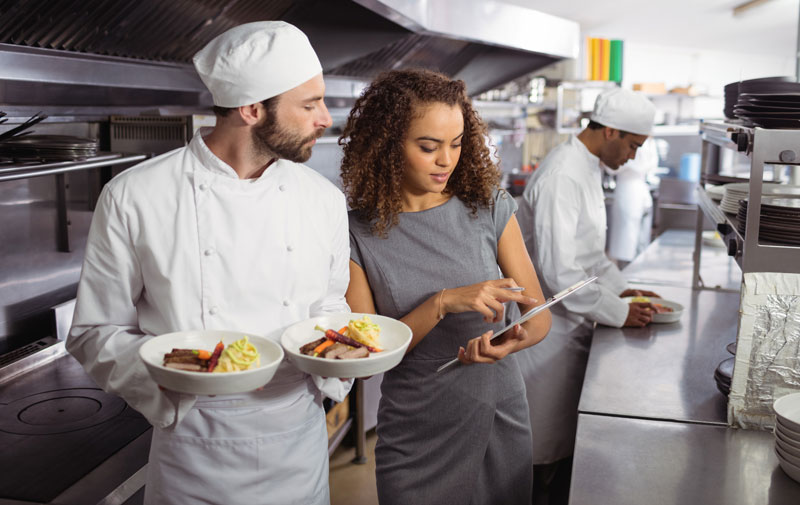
59,411
57,426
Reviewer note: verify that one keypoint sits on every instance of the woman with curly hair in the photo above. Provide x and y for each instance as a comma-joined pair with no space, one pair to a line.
430,234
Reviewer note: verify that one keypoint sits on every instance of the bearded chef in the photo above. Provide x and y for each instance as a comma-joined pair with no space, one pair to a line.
563,220
230,232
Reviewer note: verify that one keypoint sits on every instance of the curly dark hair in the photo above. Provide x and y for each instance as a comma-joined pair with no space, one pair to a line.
374,158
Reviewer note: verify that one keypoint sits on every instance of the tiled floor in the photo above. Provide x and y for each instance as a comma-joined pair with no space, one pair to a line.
353,484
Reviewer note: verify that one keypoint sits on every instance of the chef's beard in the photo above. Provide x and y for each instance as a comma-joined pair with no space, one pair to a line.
270,139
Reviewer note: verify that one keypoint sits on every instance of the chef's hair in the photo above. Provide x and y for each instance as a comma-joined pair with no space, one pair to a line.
270,104
594,125
374,159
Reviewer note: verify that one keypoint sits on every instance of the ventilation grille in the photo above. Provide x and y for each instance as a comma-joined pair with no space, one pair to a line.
171,31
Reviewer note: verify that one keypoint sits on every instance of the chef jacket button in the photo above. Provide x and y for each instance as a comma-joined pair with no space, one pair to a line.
213,310
286,303
203,186
209,251
282,187
290,248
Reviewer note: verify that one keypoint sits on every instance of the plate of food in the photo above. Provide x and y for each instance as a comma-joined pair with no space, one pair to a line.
346,344
211,362
666,311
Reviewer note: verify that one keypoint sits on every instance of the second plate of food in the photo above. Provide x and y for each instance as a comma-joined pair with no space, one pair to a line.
666,311
346,344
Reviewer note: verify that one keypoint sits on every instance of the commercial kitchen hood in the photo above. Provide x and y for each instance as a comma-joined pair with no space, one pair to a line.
111,52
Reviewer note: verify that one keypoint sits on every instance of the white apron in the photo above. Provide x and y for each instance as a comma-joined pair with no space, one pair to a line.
179,243
563,221
293,421
631,214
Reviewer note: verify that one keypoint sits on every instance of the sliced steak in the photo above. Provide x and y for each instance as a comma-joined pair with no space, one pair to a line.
184,359
358,352
190,367
333,351
308,349
180,352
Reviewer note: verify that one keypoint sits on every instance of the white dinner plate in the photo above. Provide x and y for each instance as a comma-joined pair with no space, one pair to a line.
716,192
713,239
782,436
785,430
786,446
666,317
394,339
782,454
203,383
787,410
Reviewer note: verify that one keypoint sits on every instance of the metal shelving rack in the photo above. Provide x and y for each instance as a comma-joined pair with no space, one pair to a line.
763,147
16,171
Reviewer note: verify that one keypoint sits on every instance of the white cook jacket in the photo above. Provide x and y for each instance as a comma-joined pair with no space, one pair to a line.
179,243
563,220
630,217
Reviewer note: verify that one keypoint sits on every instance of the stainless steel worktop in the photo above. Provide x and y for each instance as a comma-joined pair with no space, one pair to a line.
652,426
623,461
664,371
668,261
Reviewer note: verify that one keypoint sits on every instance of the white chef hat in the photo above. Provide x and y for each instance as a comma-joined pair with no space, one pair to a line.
256,61
624,110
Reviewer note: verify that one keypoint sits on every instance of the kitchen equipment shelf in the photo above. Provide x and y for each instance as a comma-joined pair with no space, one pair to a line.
763,147
28,170
15,171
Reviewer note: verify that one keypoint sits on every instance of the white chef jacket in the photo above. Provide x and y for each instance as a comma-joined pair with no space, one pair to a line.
563,220
631,214
179,243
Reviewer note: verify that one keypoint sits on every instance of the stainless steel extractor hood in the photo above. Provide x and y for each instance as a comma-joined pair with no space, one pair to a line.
140,51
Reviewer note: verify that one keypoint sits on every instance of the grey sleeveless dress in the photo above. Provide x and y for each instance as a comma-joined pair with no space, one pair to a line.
460,436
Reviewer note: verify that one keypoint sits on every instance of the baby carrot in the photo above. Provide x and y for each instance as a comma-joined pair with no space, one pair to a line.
321,347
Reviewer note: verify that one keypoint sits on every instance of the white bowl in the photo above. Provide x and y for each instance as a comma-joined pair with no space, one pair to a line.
792,441
200,383
787,448
794,460
786,431
790,469
787,411
666,317
394,339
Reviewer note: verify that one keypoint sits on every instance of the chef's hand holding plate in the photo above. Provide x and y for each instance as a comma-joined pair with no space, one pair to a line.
483,350
639,314
485,297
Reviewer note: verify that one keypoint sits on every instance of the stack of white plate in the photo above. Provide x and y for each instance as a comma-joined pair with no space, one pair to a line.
716,192
740,190
787,434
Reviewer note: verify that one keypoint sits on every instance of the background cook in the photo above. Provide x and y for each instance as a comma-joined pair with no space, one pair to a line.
563,220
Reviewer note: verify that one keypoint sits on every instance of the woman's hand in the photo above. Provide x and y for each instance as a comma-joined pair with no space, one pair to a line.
483,350
485,297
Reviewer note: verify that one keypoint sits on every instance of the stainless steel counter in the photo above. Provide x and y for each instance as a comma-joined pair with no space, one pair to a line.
668,261
664,371
624,461
653,426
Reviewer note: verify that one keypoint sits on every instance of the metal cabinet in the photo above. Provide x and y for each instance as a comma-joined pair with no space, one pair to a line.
765,148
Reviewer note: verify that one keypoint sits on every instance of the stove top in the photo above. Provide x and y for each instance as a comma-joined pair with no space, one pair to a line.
56,427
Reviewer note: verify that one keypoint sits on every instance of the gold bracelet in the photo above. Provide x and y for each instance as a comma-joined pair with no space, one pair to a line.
441,295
